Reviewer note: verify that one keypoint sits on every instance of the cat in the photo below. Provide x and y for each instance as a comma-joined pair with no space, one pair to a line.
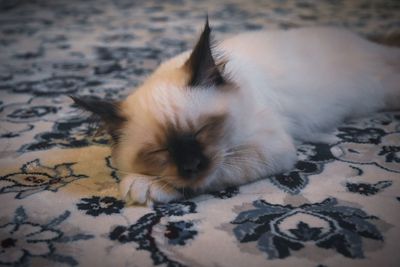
229,114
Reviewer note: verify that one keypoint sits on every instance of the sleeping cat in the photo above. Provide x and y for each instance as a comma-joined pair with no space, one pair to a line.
232,113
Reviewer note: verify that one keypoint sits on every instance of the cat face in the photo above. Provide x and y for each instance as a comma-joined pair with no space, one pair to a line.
177,123
175,132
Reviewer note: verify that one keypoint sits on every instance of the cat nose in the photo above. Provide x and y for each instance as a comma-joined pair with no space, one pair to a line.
193,167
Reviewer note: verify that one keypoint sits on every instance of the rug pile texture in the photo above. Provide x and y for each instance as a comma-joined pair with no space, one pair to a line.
59,203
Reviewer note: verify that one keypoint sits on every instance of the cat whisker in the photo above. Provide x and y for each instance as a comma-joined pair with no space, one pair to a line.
239,157
230,166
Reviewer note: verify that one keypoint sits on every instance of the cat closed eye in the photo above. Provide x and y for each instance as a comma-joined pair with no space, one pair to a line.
157,151
149,155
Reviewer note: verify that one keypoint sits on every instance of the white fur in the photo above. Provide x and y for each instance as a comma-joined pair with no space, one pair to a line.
290,86
141,189
313,78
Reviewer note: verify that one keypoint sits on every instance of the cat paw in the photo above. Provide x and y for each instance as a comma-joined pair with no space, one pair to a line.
139,189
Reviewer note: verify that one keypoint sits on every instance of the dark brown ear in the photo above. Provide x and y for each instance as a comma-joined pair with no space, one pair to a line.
107,111
201,64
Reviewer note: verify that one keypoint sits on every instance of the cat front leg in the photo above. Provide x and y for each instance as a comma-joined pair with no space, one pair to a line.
143,189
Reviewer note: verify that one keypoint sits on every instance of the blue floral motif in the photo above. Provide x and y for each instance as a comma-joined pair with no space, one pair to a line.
96,205
21,240
384,153
391,153
36,115
128,53
377,121
367,189
226,193
77,132
49,87
355,135
326,224
32,112
312,157
35,177
294,181
114,170
6,133
178,233
141,231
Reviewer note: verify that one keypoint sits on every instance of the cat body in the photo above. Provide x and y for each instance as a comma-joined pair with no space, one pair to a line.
233,113
314,78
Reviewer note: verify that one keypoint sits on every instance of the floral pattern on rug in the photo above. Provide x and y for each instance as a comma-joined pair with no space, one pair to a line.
140,233
59,200
23,240
34,178
278,229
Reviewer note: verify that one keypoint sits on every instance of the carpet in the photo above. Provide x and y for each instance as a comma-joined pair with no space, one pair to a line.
59,203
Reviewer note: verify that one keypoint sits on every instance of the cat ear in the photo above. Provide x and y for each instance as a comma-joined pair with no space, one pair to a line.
201,64
107,111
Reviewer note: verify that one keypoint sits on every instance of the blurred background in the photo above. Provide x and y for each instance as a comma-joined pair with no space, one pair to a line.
53,48
115,44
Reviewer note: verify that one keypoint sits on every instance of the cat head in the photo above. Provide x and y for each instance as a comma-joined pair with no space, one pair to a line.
177,123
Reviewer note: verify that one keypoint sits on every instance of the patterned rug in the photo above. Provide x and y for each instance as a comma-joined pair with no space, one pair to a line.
59,202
